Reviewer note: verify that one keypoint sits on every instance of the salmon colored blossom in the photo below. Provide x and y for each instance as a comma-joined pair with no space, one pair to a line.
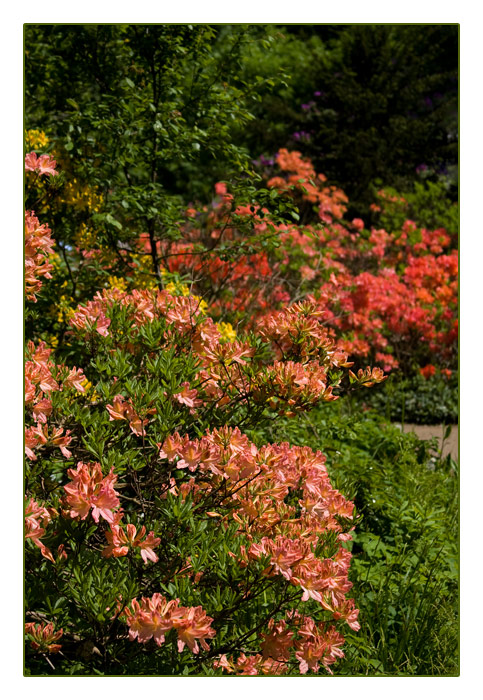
155,616
38,246
192,624
188,396
122,540
44,164
123,410
36,520
89,489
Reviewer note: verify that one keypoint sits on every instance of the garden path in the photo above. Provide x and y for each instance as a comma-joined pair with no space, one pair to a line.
426,432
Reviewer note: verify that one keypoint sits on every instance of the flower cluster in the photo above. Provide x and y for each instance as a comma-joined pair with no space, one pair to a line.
42,637
89,489
81,197
38,246
144,306
154,617
312,645
257,484
40,382
330,200
122,540
37,139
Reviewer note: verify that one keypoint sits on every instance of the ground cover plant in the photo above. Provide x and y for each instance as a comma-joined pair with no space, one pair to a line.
206,489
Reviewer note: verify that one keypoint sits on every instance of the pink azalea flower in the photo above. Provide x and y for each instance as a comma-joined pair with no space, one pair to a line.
42,410
75,379
193,625
120,541
44,164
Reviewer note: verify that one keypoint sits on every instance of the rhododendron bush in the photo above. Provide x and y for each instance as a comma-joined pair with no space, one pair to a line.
152,516
391,296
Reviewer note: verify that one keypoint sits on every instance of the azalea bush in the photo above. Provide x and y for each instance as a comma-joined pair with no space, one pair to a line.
390,296
152,514
157,190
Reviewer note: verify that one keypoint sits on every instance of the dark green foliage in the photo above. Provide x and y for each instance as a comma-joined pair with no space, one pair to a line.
143,115
428,203
367,102
414,399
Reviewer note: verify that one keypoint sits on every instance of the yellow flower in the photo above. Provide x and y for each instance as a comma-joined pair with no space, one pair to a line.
85,238
182,290
227,331
202,306
117,283
64,310
54,259
178,289
36,139
81,197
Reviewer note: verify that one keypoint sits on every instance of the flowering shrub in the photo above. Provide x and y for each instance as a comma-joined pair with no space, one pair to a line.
245,555
391,296
178,520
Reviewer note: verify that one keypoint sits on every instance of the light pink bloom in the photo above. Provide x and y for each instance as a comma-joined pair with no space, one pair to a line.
44,164
120,541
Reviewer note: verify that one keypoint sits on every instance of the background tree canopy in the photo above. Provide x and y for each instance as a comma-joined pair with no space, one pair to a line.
177,106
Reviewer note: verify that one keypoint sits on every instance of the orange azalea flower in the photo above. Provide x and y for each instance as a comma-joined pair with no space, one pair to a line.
76,378
42,410
278,642
428,371
123,410
188,396
192,625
